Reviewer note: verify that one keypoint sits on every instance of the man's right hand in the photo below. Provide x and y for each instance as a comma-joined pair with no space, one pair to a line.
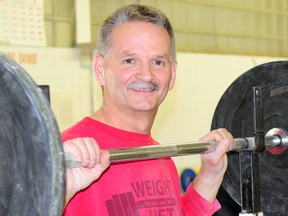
93,162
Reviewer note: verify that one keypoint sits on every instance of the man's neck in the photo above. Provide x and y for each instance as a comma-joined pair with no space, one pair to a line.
137,122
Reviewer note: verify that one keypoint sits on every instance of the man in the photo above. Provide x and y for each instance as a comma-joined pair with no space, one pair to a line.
136,67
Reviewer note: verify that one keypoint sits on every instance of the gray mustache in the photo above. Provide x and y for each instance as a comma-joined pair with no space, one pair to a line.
145,85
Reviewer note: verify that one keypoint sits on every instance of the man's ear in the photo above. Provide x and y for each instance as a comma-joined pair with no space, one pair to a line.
173,75
99,69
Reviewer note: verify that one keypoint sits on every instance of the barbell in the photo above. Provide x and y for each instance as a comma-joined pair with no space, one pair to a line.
276,141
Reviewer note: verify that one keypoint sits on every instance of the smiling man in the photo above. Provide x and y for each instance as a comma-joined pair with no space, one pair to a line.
136,67
136,74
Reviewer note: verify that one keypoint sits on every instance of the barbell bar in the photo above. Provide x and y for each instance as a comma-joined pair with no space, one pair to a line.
276,141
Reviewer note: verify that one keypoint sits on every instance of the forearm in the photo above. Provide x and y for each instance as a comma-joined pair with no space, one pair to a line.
68,196
194,203
70,187
207,186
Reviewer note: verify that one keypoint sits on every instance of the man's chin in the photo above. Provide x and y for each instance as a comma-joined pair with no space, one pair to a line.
146,108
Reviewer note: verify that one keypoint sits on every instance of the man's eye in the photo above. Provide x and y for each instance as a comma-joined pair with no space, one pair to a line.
158,62
129,61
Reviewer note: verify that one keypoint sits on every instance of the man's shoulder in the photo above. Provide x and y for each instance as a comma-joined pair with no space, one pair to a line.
74,131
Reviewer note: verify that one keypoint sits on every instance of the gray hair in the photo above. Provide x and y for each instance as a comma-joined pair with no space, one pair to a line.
134,13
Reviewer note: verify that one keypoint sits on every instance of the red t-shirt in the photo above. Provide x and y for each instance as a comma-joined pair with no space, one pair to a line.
136,188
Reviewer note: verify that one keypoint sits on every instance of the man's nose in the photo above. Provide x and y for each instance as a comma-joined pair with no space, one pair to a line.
145,72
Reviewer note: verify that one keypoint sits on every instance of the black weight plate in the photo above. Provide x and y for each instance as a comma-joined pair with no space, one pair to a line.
32,171
235,112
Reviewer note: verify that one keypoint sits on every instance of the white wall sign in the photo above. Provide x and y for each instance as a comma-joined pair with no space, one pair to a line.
22,22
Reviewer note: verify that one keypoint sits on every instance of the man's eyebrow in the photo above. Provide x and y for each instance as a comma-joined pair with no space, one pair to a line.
127,53
157,56
165,56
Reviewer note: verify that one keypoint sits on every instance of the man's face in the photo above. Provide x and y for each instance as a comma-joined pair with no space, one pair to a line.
137,72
